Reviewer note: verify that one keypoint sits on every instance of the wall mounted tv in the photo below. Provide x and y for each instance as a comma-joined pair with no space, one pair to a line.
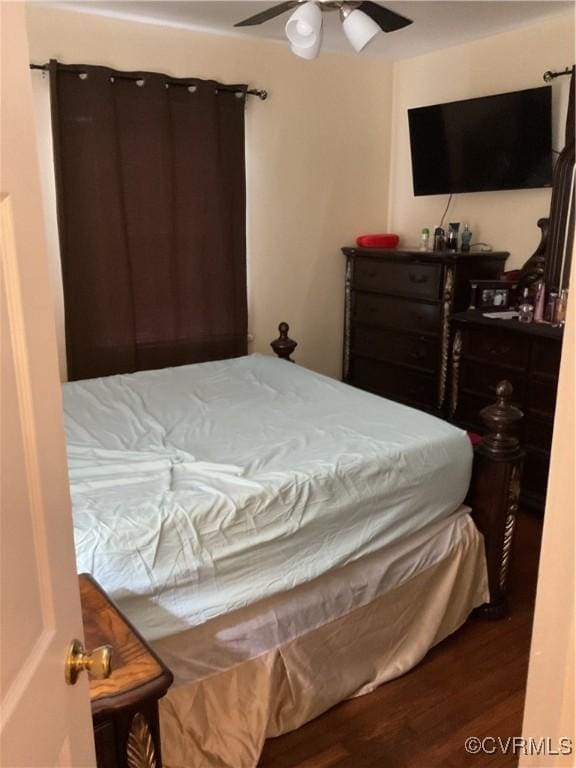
480,145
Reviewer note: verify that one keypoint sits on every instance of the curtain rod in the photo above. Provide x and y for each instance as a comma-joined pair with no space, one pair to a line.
549,75
262,94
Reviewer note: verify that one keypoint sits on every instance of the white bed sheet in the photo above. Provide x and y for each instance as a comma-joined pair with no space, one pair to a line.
201,489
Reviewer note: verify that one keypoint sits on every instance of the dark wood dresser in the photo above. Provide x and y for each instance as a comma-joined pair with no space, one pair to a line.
124,705
398,305
486,351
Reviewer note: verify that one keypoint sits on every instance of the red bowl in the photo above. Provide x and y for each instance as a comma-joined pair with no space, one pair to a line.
377,241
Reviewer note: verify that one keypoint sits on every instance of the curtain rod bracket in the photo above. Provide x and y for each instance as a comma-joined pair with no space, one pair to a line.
549,75
262,95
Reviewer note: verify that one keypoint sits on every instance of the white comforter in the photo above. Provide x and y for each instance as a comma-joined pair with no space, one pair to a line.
200,489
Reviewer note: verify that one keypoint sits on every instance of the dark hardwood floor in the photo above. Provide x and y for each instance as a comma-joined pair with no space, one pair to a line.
472,684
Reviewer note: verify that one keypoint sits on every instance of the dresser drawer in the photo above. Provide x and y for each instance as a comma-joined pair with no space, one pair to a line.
542,396
483,379
496,346
419,351
538,433
400,277
468,410
535,473
389,312
546,356
395,383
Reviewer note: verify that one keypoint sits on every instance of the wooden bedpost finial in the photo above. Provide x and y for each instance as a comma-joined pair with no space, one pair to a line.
501,419
283,346
495,492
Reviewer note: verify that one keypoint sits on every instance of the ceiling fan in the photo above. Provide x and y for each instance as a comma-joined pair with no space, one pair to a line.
361,21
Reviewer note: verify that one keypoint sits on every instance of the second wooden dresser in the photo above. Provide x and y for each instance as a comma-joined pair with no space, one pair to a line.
398,305
486,351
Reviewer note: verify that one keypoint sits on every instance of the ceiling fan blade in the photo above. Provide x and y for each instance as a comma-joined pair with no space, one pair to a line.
387,20
271,13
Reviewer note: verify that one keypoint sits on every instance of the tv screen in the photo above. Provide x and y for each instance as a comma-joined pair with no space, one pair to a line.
480,145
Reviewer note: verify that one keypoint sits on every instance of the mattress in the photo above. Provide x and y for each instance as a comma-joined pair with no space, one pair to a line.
201,489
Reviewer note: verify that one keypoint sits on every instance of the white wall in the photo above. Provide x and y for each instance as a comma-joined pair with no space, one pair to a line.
505,62
318,154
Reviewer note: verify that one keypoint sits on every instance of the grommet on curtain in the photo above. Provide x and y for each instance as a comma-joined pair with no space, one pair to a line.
140,82
239,94
192,88
83,75
112,79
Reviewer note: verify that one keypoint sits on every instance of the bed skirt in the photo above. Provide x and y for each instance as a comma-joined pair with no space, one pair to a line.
270,668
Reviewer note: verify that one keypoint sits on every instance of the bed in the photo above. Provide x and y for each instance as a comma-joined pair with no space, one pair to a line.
283,540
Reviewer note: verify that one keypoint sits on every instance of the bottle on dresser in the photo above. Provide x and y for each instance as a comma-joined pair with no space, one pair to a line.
439,239
465,239
425,239
452,241
525,310
539,303
561,306
550,310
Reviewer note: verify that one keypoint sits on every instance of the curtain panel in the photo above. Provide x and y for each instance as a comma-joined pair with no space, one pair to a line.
150,182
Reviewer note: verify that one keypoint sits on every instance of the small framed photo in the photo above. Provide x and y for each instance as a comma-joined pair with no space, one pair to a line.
491,294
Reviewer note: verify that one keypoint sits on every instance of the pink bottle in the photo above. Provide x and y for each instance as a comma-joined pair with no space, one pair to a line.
539,303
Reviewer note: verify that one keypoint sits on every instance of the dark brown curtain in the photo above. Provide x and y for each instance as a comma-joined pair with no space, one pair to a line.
150,180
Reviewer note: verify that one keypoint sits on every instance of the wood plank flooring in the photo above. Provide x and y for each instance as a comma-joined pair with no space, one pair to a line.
472,684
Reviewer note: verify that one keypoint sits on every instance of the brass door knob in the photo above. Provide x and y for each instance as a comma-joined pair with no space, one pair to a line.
98,662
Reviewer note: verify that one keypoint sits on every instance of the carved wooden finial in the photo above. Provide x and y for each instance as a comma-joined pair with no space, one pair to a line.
501,419
533,269
283,346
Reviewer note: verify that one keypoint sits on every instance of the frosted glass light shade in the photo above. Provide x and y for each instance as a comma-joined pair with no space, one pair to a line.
359,29
304,28
310,52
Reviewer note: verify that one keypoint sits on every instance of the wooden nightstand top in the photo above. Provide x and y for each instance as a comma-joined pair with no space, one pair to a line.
137,672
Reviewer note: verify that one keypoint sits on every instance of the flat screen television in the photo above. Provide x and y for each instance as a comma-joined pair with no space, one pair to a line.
480,145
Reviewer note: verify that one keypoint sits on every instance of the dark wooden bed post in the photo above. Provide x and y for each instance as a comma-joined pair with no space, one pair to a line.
283,346
494,493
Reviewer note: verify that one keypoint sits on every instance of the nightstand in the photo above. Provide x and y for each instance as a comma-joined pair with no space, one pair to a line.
125,705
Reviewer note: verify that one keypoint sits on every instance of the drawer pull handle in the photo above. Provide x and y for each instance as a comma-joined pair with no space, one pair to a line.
417,278
499,350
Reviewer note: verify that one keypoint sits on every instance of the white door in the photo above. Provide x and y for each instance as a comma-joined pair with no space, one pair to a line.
44,722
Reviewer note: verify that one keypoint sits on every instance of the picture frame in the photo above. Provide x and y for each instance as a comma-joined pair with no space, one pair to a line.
491,294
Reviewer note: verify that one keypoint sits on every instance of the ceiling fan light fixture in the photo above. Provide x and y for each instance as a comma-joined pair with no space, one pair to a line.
359,28
307,52
304,29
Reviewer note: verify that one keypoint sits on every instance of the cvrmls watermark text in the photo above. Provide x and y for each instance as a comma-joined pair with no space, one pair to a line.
518,745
